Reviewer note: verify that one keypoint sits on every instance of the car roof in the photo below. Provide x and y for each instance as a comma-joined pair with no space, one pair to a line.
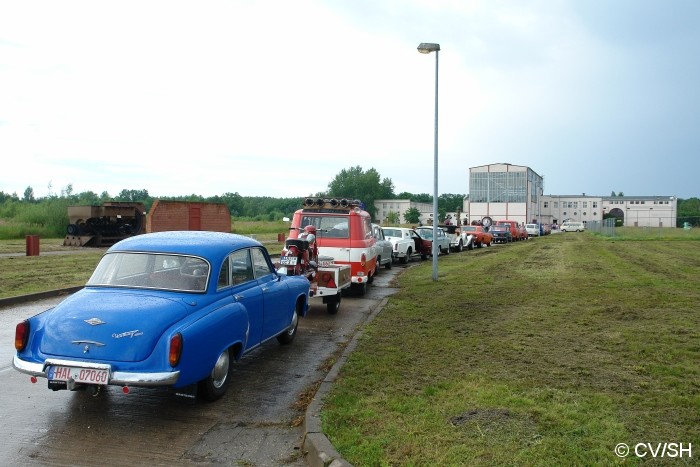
195,242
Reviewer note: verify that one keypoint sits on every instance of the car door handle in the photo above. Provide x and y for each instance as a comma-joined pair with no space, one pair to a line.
238,297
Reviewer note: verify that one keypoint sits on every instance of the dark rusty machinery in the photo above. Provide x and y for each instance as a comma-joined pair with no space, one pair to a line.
99,226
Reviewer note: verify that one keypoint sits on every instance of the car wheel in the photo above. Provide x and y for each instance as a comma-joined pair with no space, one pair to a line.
216,383
447,250
388,265
288,336
333,304
360,289
460,247
404,260
370,279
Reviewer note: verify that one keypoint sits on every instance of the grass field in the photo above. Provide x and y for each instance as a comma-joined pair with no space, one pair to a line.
546,352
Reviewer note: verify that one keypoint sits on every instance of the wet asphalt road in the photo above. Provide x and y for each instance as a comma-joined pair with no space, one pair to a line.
257,423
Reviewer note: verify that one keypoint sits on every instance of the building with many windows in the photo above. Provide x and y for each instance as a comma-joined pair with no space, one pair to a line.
503,191
387,208
507,191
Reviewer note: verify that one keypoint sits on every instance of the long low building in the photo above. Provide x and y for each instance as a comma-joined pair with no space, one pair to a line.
515,192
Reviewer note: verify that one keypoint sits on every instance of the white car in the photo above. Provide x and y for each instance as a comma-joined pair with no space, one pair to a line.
385,249
533,230
572,226
405,242
443,241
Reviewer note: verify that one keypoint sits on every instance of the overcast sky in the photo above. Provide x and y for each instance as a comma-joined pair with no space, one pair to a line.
275,98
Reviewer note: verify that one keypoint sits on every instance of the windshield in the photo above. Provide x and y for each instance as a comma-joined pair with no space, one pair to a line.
327,226
392,232
425,233
151,271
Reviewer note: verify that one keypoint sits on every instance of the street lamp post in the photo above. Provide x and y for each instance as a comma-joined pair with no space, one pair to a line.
539,216
426,48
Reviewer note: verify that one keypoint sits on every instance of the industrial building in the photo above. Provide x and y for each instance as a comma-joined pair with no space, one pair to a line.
515,192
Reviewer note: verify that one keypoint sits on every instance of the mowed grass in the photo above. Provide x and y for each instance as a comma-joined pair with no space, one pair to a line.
546,352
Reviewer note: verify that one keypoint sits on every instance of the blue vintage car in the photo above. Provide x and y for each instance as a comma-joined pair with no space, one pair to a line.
171,309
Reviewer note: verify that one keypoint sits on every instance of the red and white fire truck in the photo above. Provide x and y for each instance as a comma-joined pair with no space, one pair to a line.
343,233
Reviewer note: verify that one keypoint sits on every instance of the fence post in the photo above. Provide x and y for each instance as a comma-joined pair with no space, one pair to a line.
32,244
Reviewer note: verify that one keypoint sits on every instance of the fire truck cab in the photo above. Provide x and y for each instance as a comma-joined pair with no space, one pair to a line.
343,233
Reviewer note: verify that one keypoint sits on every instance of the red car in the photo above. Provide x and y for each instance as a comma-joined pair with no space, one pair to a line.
515,231
481,236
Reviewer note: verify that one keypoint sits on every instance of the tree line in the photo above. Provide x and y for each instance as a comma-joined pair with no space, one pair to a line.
50,212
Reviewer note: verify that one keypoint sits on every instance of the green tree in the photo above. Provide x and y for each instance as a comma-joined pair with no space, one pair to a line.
87,198
411,216
416,198
28,194
366,186
7,196
135,196
688,207
450,202
393,217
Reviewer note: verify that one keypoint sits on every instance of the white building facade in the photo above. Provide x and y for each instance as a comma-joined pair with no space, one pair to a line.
514,192
504,191
386,207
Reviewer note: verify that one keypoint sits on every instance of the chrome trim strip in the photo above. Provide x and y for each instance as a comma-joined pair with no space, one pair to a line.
118,378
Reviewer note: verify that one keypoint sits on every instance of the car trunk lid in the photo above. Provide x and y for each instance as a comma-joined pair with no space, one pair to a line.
114,325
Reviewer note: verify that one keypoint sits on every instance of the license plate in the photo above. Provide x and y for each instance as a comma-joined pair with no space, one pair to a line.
78,375
288,260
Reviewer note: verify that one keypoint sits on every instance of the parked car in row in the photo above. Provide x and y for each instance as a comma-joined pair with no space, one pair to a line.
481,236
572,226
501,233
517,231
534,230
407,243
458,242
385,249
166,309
442,241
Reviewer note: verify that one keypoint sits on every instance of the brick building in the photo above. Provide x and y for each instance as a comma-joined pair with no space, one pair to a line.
187,215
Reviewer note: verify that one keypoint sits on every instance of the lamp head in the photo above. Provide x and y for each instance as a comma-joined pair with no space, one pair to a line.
427,47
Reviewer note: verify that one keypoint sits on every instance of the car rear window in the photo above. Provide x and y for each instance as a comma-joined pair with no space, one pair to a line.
151,271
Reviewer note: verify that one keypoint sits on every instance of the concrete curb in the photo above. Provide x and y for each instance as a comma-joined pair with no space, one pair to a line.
318,448
19,299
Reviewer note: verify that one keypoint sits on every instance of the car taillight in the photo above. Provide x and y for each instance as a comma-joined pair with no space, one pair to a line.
21,335
175,349
363,259
326,280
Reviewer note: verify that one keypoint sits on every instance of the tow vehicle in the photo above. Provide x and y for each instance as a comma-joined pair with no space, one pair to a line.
343,235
